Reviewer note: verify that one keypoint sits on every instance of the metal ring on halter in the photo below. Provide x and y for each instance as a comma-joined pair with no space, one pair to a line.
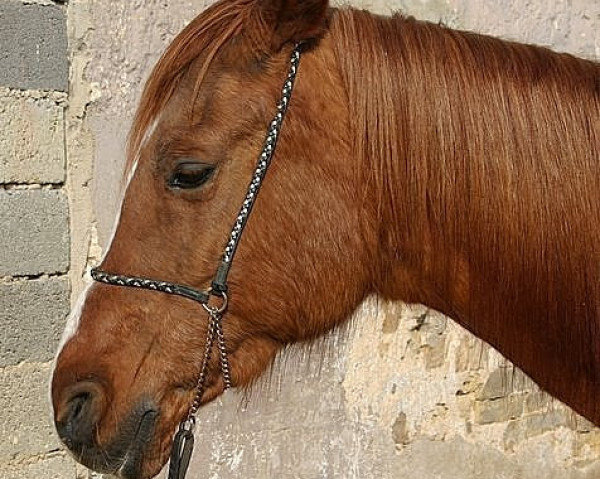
213,309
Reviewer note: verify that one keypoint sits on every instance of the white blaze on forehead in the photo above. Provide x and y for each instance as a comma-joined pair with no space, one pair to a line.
118,218
75,317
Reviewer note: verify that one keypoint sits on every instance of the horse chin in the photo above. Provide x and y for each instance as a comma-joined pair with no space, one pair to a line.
140,462
152,462
145,463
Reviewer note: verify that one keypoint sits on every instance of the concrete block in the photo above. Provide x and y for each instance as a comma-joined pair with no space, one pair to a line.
25,423
34,232
32,314
59,466
33,46
32,145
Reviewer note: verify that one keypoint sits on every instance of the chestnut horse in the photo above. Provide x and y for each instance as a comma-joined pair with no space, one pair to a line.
416,162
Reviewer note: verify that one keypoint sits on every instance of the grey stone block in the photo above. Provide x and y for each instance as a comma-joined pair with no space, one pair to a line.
32,144
34,232
33,46
54,467
32,314
26,428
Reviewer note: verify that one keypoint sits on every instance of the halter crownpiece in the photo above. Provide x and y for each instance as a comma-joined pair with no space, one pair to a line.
183,441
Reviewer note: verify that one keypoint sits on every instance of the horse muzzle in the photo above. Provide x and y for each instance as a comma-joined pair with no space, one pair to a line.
77,418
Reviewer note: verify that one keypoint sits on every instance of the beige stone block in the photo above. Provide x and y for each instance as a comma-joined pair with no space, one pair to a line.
32,144
499,410
504,381
471,354
25,428
435,353
537,401
534,425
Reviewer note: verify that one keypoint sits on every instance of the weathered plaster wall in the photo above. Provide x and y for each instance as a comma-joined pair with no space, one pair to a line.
403,392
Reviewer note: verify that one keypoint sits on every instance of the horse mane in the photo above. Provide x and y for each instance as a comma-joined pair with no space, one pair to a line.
486,153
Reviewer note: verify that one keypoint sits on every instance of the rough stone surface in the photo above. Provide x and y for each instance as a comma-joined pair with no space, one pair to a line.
32,148
57,466
563,26
571,26
34,236
33,46
499,410
505,381
32,314
25,428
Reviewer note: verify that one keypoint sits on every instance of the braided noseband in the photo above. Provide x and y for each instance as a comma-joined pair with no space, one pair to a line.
183,442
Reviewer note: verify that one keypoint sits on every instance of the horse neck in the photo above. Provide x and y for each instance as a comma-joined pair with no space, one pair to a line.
405,137
463,140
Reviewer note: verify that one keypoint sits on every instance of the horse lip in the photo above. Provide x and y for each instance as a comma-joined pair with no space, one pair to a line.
124,455
132,461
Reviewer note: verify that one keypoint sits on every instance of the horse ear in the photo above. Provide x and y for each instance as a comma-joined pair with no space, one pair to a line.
292,21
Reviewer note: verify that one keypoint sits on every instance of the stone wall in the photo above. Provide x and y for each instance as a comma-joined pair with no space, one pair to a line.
34,231
401,392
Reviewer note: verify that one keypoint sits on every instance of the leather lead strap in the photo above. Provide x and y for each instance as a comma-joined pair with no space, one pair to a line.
183,445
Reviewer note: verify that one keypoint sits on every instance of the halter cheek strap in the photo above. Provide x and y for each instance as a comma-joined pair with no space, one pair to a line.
184,438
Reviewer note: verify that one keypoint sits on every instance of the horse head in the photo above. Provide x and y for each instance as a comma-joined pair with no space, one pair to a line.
127,369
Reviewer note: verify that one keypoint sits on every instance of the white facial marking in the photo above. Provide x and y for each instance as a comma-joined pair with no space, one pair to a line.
75,317
118,218
70,330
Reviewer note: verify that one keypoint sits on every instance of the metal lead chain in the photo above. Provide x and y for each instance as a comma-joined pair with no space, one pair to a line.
210,340
223,358
215,330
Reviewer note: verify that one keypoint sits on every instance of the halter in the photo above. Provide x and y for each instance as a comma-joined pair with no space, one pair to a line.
183,441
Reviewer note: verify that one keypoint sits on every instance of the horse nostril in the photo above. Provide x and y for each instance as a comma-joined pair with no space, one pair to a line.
79,414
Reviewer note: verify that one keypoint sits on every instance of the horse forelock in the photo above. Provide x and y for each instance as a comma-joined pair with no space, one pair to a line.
204,36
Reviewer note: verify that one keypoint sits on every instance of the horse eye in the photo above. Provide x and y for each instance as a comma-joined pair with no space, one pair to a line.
190,175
